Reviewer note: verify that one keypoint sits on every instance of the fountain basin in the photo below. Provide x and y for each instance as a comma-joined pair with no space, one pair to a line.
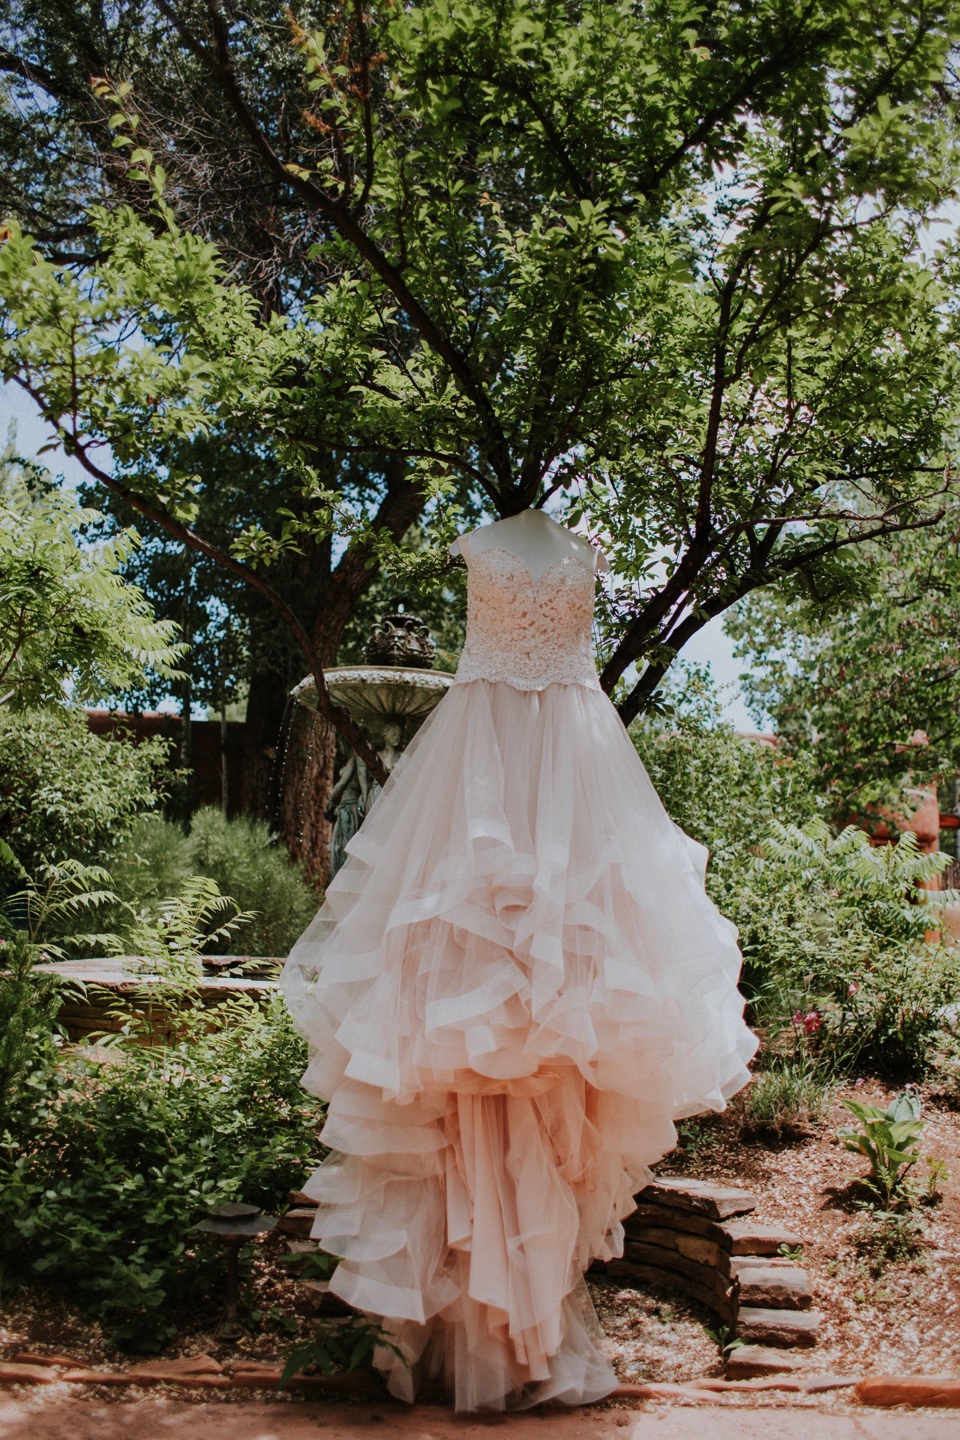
375,694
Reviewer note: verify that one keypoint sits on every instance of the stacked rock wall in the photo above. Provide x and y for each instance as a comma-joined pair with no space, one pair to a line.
694,1236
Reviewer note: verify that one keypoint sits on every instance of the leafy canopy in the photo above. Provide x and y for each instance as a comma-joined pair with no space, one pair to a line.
69,623
659,265
864,675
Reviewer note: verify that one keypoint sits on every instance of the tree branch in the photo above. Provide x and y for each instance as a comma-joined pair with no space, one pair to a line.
751,579
340,215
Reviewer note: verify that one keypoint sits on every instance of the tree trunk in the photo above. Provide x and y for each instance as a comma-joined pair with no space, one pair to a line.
310,746
266,703
308,769
288,769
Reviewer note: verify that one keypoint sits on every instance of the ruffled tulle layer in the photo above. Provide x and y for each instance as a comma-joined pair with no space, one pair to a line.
515,986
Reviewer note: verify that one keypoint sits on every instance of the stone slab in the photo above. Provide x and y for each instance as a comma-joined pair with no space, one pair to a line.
717,1202
939,1392
641,1254
170,1375
298,1222
697,1247
774,1287
737,1266
666,1239
12,1373
765,1326
749,1237
300,1198
661,1279
186,1365
749,1362
684,1221
32,1357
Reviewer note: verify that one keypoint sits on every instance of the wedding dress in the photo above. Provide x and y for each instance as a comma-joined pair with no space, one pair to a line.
514,988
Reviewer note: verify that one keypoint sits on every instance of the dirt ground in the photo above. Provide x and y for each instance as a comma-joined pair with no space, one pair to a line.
899,1315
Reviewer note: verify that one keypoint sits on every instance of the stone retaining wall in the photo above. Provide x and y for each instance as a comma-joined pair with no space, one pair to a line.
694,1236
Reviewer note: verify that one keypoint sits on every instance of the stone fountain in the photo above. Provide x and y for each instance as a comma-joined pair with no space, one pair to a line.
389,697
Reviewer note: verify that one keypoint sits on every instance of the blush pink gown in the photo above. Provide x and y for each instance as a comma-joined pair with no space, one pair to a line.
515,987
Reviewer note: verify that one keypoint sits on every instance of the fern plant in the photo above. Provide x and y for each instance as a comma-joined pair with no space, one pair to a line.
52,907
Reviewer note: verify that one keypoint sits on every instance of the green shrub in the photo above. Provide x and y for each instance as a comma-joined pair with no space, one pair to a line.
29,1001
832,930
151,861
833,934
107,1163
156,857
67,794
244,859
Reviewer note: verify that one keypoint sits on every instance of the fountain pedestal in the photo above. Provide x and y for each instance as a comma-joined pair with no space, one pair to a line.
389,700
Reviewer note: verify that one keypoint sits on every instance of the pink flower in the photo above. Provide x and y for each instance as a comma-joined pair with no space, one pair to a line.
812,1022
852,988
797,1018
857,1084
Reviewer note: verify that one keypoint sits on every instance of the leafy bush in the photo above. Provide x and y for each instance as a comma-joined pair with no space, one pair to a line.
109,1159
67,794
150,862
29,1001
155,858
54,907
243,858
834,932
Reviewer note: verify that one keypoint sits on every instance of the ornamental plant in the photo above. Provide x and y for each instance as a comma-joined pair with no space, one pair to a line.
889,1139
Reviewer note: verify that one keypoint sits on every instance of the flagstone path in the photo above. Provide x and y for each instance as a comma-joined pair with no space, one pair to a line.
171,1420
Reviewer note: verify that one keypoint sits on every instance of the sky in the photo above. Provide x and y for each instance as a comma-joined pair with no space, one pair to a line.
711,647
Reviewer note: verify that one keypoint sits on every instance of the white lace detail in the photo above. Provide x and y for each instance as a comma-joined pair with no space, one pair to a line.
525,632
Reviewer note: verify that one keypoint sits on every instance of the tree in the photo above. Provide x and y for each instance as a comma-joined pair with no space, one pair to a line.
59,160
864,674
663,275
70,626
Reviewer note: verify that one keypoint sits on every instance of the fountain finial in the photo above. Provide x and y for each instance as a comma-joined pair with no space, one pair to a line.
399,640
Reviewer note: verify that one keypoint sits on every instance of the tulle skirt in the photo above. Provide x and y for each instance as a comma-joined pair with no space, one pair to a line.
514,988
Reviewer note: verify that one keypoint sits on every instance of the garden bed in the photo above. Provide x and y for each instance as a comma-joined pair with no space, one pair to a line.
893,1314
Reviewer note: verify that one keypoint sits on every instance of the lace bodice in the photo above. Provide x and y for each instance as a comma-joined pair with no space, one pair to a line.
526,632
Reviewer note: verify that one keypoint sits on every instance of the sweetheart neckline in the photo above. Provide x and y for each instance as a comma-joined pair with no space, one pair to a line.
535,579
